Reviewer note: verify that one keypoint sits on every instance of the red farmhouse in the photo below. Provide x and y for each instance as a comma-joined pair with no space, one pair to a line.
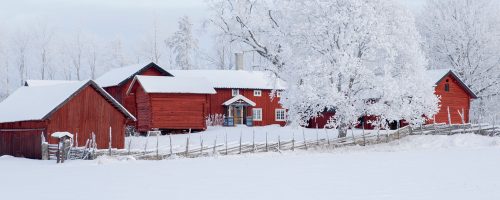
81,108
170,103
117,81
243,97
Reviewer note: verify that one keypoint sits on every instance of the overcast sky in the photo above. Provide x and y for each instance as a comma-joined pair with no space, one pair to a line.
107,19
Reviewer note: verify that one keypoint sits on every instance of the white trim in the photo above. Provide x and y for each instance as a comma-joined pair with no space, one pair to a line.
235,92
239,97
276,114
260,112
257,93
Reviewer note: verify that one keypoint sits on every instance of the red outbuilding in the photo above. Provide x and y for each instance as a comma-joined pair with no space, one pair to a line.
455,97
170,103
81,108
243,97
117,81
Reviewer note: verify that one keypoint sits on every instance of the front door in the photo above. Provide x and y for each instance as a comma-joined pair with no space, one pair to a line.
238,114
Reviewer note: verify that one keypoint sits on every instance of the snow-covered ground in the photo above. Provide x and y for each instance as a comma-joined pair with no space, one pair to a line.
416,167
233,137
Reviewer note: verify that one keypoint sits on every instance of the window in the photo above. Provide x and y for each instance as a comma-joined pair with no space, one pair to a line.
257,114
235,92
257,93
280,114
278,93
447,86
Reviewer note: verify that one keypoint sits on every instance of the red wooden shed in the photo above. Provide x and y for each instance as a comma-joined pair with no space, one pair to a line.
454,95
117,81
170,103
81,108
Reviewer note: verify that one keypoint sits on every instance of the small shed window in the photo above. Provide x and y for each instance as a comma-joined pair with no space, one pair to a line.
235,92
280,114
257,93
447,86
257,114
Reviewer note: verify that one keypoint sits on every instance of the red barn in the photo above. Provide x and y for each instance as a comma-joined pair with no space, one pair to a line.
454,94
243,97
117,81
170,103
81,108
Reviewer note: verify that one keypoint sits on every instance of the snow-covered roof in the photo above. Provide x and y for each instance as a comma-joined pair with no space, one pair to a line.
240,79
168,84
120,75
238,98
436,75
61,134
37,103
35,83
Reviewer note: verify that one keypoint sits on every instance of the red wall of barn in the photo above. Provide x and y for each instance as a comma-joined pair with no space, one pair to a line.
89,112
128,101
456,99
171,111
22,143
264,101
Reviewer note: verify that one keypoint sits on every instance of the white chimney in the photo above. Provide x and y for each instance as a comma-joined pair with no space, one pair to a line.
238,60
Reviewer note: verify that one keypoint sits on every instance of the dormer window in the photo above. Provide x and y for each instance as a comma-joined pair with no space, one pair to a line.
447,86
235,92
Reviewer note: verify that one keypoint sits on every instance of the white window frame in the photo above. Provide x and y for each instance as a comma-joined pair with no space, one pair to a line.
276,114
257,93
253,114
235,92
278,93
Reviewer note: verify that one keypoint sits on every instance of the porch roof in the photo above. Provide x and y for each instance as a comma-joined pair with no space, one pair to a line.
237,98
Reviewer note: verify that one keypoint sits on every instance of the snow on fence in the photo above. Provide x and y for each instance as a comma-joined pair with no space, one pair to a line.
447,129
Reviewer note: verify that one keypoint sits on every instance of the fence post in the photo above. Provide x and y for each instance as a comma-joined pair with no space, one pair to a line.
364,138
327,136
267,147
241,136
157,146
253,141
398,125
187,143
279,143
317,136
45,147
293,140
226,143
201,145
76,139
215,145
109,141
304,137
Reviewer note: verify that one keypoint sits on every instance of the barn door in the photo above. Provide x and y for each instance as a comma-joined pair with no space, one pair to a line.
21,143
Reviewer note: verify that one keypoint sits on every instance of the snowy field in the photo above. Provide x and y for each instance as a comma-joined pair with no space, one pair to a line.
416,167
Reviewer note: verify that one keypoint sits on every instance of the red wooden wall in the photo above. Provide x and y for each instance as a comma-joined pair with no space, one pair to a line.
89,112
19,142
170,111
456,99
264,101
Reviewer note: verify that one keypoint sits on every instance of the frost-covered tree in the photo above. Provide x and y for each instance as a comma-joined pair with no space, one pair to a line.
20,47
464,35
184,44
350,56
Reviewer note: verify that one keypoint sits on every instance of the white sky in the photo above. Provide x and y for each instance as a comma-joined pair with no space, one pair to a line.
108,19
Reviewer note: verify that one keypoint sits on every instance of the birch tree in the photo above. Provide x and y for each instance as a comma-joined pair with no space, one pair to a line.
464,35
43,47
183,44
